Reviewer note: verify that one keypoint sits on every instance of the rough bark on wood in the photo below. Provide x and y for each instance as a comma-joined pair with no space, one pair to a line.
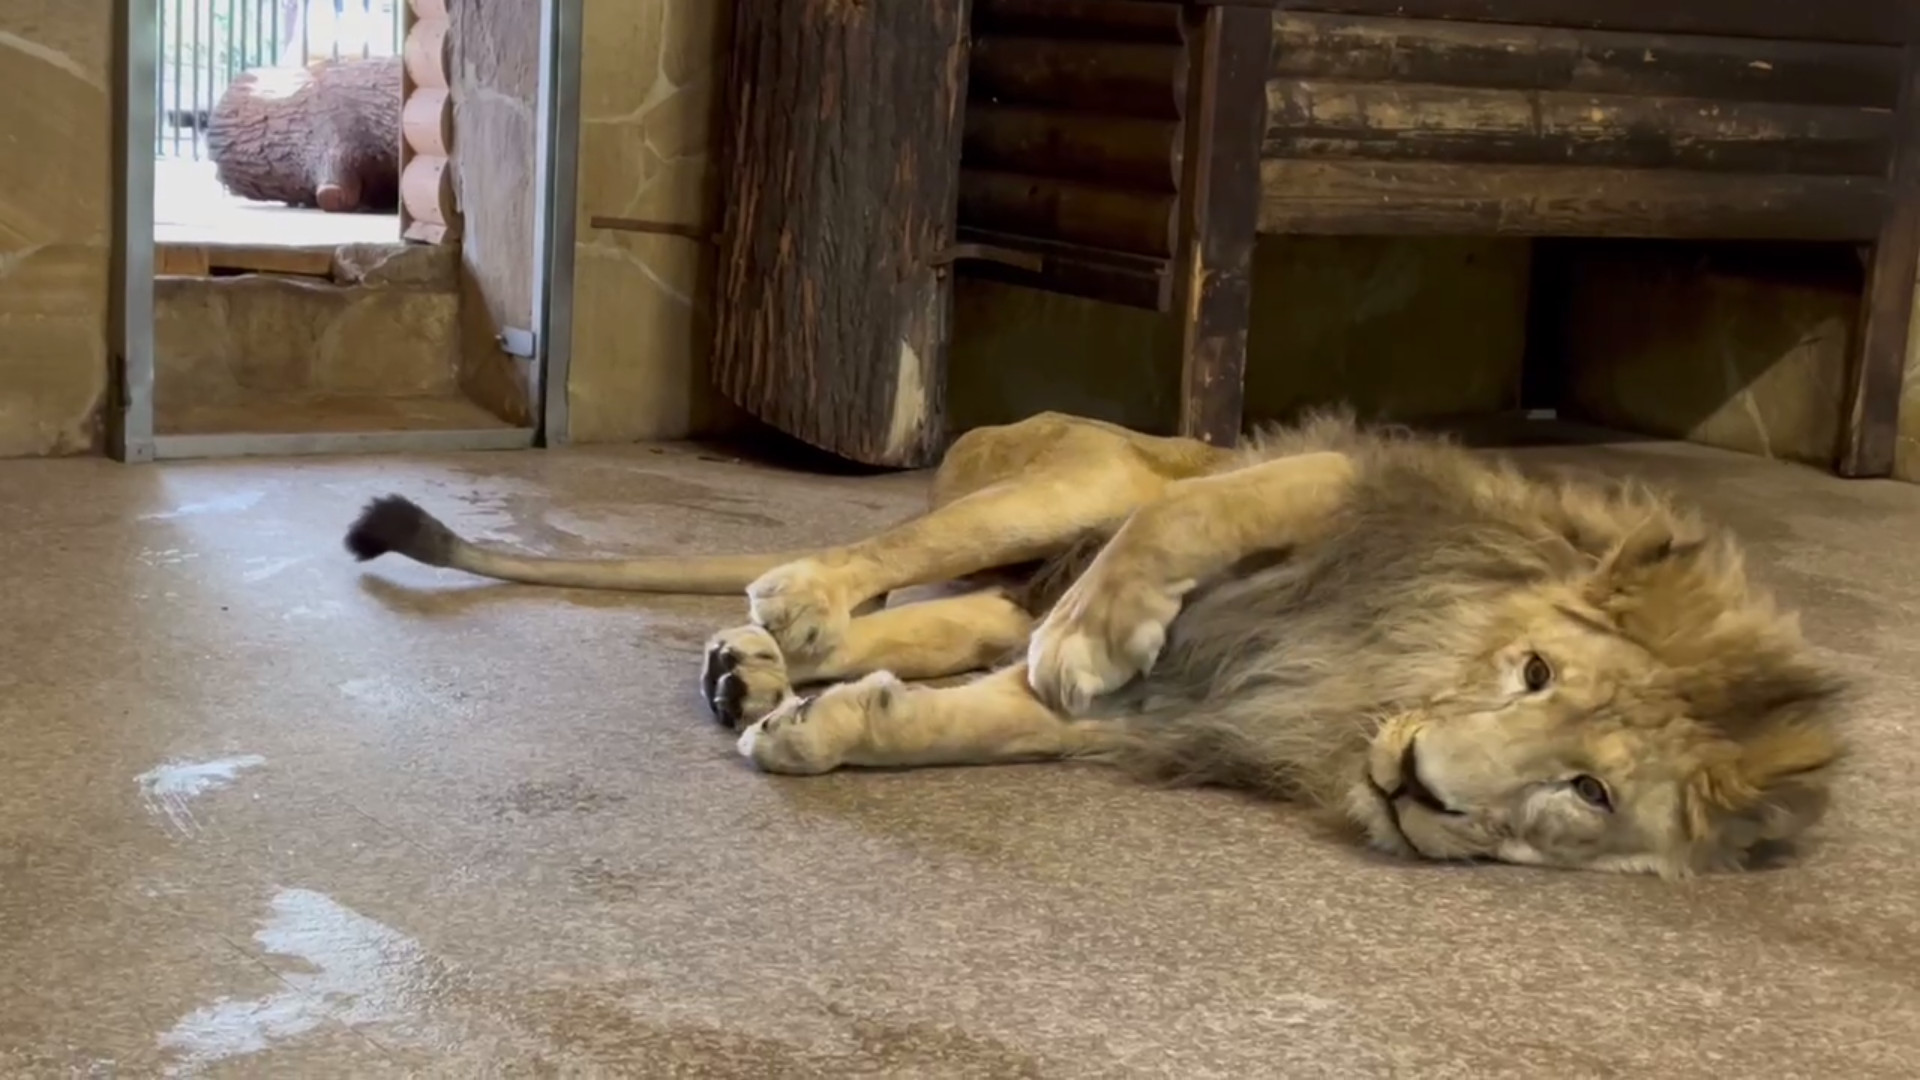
1339,118
1499,56
1369,198
840,187
327,135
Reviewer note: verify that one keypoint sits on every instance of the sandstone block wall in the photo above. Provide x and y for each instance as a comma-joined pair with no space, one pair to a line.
56,212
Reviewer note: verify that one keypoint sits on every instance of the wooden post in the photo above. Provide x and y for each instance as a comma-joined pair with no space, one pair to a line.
1871,424
1220,196
840,191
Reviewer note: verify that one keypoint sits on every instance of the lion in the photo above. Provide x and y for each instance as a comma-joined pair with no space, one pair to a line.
1451,657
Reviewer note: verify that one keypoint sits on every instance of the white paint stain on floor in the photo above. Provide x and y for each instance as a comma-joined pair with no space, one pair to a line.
169,788
219,504
262,569
349,970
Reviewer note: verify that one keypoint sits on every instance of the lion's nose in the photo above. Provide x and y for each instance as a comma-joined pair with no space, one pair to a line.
1412,787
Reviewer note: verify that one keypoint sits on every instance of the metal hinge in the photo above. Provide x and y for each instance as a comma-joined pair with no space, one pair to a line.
517,342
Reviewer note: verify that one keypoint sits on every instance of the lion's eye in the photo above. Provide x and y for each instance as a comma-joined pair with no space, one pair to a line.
1593,792
1537,673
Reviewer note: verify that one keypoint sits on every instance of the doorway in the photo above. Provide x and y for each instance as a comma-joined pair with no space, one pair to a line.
250,64
347,309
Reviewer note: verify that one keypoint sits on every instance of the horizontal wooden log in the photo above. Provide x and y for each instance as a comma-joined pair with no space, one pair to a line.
426,54
1397,121
427,121
1368,198
1130,222
1308,45
1100,20
1116,78
1113,150
1075,271
427,191
1871,22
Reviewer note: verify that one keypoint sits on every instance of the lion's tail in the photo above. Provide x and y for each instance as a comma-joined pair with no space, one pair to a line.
395,524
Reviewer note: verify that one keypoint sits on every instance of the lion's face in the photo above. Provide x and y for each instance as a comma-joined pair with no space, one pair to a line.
1569,740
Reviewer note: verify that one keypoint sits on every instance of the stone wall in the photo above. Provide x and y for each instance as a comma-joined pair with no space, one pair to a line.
56,191
650,90
386,325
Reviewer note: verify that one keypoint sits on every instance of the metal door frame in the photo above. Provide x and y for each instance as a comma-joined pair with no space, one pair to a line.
129,411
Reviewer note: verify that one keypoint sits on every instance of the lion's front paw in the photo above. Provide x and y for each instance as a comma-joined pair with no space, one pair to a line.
804,605
812,735
1101,634
743,676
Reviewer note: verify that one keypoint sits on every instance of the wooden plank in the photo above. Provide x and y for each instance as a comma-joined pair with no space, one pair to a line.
1070,270
201,260
1495,56
1368,198
1871,426
1871,22
1114,78
1101,20
1115,150
832,312
1213,282
1129,222
1327,118
181,260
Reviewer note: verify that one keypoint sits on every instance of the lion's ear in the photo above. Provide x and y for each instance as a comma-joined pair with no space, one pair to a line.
1640,559
1766,789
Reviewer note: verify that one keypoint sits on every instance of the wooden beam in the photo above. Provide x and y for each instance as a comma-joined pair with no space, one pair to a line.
1871,428
1496,56
1337,118
1102,20
1426,199
1096,216
1102,149
839,184
1869,22
1125,78
1213,282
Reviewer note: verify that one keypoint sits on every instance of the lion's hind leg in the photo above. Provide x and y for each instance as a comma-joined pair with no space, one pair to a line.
882,722
745,675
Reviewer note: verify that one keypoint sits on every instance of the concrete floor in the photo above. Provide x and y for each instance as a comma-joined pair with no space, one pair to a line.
263,814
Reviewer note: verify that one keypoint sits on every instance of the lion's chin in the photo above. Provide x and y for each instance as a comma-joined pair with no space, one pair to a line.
1369,809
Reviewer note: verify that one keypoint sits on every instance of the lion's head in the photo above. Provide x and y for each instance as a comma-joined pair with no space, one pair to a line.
1648,713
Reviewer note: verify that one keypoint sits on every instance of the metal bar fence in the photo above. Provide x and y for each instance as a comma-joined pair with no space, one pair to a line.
206,44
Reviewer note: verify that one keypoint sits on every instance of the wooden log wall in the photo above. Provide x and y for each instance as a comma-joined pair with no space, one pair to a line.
1408,126
429,212
1073,144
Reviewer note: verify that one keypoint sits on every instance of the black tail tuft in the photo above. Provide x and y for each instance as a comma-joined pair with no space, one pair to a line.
395,524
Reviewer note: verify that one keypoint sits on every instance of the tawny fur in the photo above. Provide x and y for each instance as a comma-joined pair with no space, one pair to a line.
1393,619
